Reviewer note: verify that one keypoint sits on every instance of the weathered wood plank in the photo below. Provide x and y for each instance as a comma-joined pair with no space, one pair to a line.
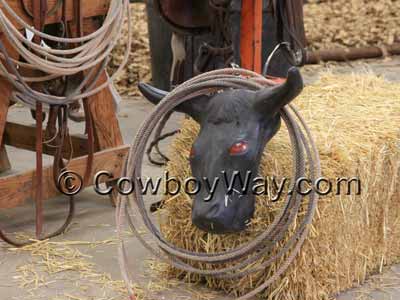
24,137
15,190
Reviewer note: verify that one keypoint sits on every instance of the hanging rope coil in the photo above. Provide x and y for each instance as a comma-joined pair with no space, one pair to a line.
78,57
79,54
305,157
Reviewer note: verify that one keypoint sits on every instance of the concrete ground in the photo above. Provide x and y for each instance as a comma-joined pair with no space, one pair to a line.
82,264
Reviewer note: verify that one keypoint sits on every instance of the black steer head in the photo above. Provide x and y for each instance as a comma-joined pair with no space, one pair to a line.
235,126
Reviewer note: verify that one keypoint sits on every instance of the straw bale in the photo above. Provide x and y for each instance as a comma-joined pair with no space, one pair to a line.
355,121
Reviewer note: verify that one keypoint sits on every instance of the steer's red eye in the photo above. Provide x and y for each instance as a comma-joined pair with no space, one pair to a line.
239,148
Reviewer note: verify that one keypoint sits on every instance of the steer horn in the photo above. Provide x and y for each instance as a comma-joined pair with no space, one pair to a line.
271,100
195,107
151,93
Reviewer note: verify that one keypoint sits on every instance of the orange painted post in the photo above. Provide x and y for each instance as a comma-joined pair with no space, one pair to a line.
246,35
251,35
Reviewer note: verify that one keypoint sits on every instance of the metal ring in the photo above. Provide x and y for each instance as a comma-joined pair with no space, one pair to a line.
278,47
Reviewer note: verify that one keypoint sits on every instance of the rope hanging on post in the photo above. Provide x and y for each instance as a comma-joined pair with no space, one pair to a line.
90,54
76,55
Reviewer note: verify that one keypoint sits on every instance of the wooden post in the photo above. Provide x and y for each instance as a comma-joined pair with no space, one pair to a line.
6,90
107,132
102,107
106,128
4,104
4,161
251,35
110,153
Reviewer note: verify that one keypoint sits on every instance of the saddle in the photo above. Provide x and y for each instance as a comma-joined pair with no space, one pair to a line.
211,32
186,16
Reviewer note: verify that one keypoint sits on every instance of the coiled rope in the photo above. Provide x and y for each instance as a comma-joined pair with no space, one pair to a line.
303,151
79,54
74,56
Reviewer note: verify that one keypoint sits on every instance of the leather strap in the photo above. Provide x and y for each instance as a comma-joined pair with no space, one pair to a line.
78,17
60,113
51,123
290,26
88,116
90,142
39,16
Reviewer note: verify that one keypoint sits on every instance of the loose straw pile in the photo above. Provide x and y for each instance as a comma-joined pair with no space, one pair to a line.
355,121
62,262
139,66
356,23
329,24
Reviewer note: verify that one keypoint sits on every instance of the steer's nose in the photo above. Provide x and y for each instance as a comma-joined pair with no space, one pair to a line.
222,214
217,226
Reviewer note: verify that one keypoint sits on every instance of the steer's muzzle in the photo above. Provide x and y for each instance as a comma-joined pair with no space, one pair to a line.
224,213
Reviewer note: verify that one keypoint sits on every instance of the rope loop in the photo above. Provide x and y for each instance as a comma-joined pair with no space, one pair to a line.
87,54
131,209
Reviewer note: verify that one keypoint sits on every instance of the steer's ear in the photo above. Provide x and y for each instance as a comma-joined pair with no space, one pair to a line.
195,107
271,100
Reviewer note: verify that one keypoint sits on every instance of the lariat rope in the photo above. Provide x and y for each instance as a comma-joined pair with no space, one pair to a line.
86,55
81,54
273,241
